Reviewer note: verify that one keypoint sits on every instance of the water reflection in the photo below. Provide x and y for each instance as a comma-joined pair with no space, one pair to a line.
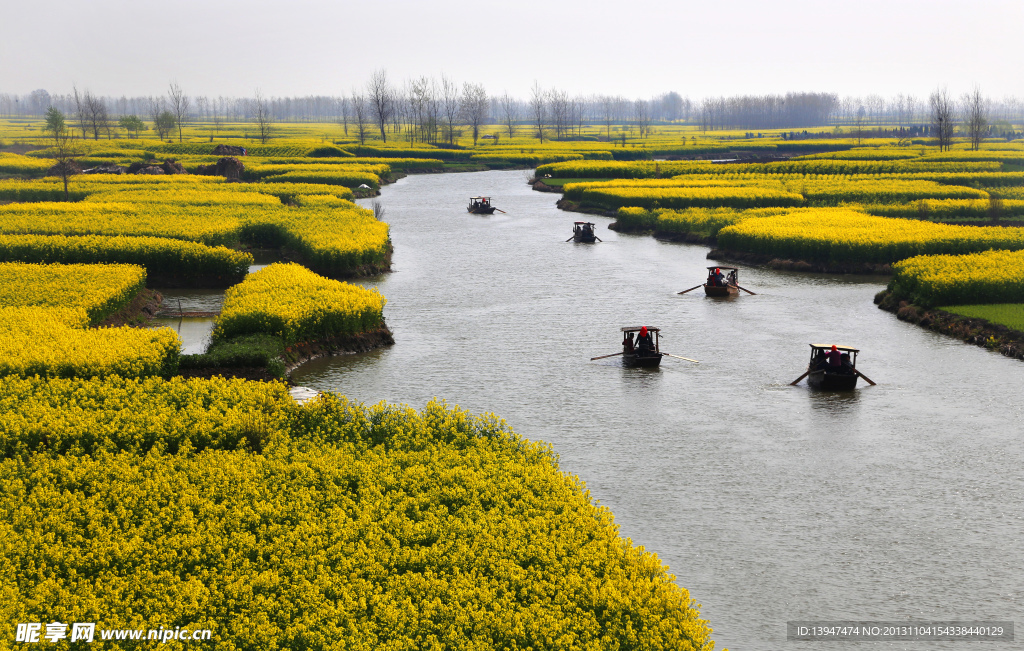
194,332
834,402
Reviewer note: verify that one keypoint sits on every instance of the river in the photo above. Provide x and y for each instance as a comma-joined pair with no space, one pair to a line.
902,501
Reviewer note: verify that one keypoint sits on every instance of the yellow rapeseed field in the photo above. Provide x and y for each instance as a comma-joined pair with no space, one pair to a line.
291,302
977,278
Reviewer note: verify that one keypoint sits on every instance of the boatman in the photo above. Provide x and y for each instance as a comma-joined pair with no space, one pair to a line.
644,342
835,358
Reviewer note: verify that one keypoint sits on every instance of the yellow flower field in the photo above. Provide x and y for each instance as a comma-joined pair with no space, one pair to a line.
291,302
55,342
285,525
845,235
98,289
986,277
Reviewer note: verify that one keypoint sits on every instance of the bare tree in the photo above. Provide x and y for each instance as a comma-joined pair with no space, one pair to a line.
65,150
260,108
381,99
976,110
509,113
642,116
218,121
344,111
539,108
361,112
180,104
475,107
92,114
450,103
203,104
943,117
858,124
608,114
558,103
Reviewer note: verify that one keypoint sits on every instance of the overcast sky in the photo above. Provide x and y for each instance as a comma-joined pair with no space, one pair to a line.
636,48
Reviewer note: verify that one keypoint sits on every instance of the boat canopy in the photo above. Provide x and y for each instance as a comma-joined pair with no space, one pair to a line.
479,198
591,223
829,347
718,266
637,329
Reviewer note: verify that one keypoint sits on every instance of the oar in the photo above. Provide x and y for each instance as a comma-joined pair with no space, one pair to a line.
689,290
793,383
747,290
501,211
598,238
678,357
603,356
570,238
864,376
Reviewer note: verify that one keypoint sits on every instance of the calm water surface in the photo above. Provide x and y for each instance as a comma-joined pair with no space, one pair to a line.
769,502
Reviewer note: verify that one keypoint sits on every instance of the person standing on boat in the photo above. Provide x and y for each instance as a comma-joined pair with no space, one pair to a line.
835,358
627,342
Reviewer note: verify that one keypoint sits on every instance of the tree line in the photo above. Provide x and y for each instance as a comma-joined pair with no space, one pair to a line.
438,110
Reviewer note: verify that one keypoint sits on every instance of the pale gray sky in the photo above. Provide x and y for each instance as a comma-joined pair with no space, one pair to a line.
636,48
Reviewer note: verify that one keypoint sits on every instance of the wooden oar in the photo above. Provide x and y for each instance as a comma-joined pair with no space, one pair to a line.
866,378
690,290
598,238
603,356
570,238
678,357
794,382
501,211
747,290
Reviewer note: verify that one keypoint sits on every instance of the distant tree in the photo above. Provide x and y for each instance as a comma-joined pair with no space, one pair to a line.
344,112
180,104
38,101
97,118
216,116
943,118
539,108
509,113
55,122
475,107
259,107
642,117
608,114
203,104
132,124
671,106
976,114
558,103
361,113
450,102
381,99
65,149
858,124
164,124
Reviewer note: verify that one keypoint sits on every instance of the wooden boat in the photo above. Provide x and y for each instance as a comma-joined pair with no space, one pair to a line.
480,206
584,232
731,286
633,356
822,376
